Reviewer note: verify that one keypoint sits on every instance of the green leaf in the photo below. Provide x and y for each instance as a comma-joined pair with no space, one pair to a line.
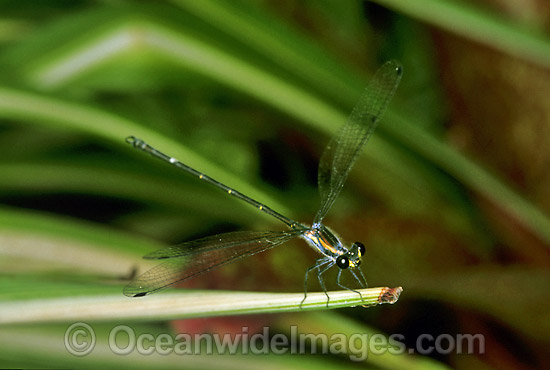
180,305
479,25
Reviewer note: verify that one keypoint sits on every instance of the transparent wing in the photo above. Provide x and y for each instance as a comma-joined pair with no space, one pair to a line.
344,148
187,260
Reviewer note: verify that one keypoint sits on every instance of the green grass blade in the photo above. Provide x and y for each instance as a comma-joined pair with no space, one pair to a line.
17,104
56,241
471,22
179,305
471,174
304,105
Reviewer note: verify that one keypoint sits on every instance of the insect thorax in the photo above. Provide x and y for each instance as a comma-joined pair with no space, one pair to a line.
325,241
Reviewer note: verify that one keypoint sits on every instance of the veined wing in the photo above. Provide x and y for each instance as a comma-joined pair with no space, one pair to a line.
187,260
344,148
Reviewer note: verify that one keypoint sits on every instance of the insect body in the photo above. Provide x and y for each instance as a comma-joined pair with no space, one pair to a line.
189,259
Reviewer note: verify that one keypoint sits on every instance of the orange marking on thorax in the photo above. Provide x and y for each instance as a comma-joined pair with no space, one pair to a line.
323,242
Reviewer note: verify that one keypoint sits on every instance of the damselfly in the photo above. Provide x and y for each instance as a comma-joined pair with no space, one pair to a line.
189,259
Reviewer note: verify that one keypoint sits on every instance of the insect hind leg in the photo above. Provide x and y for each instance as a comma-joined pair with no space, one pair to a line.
318,264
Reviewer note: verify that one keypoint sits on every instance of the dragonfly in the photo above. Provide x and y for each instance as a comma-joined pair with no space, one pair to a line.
193,258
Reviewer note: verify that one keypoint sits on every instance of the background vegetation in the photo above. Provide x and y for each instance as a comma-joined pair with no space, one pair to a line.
451,196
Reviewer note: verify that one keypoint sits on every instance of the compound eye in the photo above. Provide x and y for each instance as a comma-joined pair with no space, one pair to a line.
361,247
342,262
